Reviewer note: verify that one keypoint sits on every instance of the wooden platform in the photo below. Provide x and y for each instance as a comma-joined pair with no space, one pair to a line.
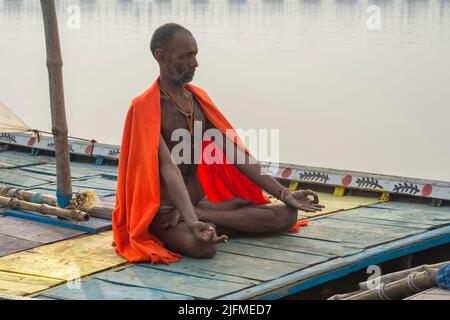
45,260
431,294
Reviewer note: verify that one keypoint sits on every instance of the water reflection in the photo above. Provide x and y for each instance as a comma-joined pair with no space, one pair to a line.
414,18
314,58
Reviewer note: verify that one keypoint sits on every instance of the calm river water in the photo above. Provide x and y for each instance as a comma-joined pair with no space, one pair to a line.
359,85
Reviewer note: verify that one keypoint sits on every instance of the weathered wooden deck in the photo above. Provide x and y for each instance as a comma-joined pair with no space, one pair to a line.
43,257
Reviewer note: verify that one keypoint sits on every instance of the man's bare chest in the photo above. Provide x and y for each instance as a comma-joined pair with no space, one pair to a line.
172,119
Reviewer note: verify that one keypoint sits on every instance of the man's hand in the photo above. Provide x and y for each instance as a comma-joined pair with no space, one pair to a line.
171,219
202,231
301,201
205,232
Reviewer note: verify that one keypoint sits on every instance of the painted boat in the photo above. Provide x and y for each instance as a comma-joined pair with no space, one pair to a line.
370,219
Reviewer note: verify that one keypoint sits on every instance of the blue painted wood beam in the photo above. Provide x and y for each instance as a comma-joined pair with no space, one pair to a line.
334,269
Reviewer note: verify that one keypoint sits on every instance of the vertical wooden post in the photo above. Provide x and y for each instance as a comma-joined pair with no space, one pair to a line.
58,112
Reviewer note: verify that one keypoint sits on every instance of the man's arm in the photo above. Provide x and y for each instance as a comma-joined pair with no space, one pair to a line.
171,174
174,180
254,171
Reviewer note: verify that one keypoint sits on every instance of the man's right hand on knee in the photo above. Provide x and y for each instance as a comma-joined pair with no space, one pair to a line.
206,232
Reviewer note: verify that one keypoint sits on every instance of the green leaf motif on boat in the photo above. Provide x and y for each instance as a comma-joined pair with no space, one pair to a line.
368,182
314,176
8,138
51,145
410,188
114,152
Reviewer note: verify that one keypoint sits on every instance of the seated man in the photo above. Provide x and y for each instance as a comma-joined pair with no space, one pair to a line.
164,209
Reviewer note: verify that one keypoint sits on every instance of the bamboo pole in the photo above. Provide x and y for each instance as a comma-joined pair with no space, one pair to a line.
72,214
58,113
101,212
395,284
395,276
401,288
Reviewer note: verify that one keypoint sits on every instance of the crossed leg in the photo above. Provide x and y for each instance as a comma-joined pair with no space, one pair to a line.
232,217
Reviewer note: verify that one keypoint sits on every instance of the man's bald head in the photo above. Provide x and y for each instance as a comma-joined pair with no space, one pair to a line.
175,49
164,35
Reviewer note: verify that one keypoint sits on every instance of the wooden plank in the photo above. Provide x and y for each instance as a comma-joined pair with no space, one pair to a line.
367,226
91,167
431,294
382,223
297,244
4,296
337,268
51,189
191,271
66,260
109,199
5,165
78,169
18,159
302,259
348,236
413,207
39,233
335,204
438,291
363,215
92,226
16,177
38,297
96,183
50,170
23,284
411,216
197,287
97,289
9,245
111,176
431,297
242,266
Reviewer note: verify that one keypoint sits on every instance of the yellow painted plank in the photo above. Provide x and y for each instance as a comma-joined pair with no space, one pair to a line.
65,260
20,284
337,203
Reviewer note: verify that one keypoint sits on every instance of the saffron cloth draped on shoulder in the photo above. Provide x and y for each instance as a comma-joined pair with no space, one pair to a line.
138,186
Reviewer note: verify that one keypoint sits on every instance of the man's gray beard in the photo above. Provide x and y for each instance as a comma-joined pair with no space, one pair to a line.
179,79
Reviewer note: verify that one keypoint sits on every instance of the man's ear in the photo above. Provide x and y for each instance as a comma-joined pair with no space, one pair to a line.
160,55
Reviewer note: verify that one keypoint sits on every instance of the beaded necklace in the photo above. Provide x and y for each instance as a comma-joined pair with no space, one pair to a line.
189,116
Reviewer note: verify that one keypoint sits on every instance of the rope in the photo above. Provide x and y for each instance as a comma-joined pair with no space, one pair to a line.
18,194
5,190
83,200
411,283
11,203
93,142
38,136
71,137
382,293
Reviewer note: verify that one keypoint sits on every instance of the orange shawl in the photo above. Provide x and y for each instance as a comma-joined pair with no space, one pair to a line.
138,185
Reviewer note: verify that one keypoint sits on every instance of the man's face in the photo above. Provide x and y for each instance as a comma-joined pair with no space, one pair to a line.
180,58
